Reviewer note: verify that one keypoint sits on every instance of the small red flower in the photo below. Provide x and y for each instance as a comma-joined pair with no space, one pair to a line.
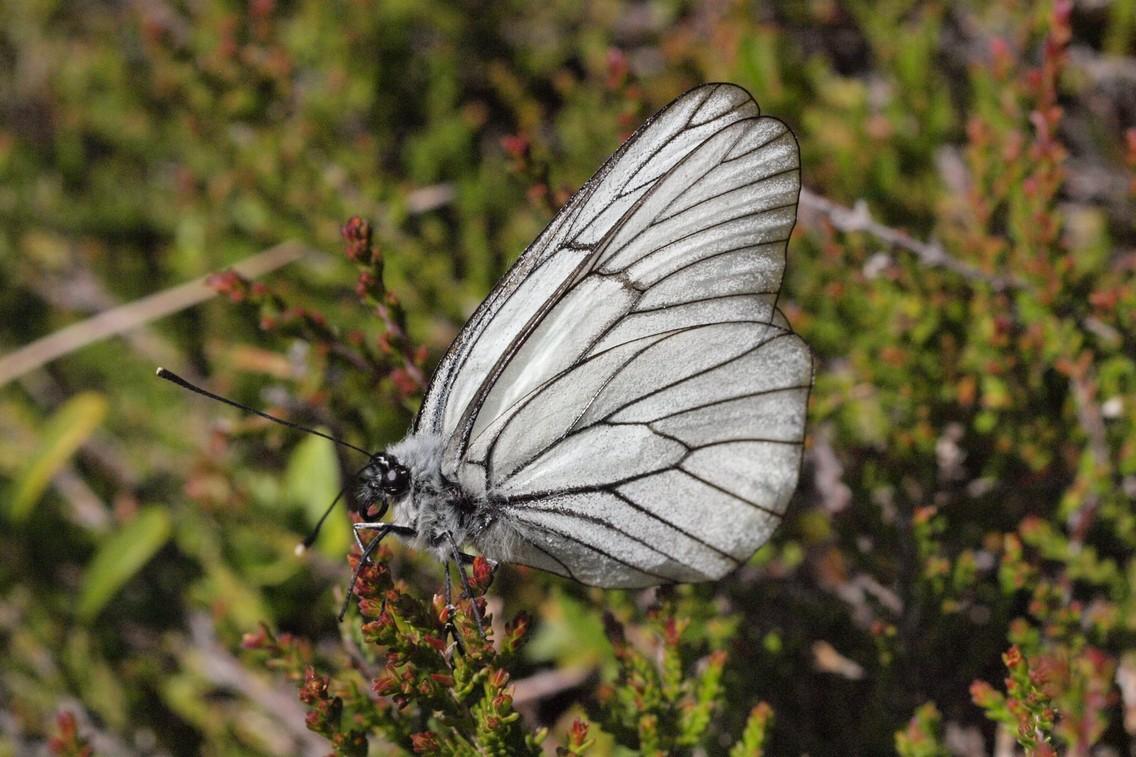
617,68
517,145
256,640
578,734
424,743
404,383
357,233
482,574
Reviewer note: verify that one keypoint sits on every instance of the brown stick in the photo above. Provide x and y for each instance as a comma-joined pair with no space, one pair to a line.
134,314
931,254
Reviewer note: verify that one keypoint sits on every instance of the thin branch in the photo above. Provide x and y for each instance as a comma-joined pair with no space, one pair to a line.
828,472
432,197
134,314
217,665
130,316
532,690
1113,71
358,661
79,291
932,254
86,508
1091,419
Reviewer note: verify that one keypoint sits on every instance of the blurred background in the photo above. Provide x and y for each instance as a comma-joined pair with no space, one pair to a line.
956,572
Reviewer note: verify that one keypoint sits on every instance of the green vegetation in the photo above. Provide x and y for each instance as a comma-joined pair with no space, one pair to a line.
956,570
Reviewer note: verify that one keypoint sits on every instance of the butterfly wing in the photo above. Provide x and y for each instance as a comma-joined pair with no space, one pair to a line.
629,398
567,250
669,457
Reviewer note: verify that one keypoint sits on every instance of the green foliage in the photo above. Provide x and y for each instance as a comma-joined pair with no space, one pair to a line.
662,701
922,737
956,569
62,435
752,743
311,479
436,696
120,557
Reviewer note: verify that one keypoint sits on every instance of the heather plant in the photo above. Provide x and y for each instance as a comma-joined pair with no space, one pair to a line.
954,575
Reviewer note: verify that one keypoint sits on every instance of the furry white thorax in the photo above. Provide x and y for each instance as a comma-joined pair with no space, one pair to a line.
433,506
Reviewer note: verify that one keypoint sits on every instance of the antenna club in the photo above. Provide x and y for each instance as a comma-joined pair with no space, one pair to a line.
171,376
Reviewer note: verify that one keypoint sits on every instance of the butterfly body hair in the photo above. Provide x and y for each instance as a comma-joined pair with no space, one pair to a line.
437,509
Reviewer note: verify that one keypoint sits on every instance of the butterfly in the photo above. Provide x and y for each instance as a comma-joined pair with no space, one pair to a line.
627,406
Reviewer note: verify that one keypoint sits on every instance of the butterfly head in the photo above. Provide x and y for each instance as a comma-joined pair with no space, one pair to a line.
384,480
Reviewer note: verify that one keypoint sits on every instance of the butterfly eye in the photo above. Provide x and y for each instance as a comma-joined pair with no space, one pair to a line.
396,480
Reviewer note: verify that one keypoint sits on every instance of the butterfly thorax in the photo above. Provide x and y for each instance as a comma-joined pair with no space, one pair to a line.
435,507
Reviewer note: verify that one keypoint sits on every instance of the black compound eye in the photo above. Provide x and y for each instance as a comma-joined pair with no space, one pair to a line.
396,479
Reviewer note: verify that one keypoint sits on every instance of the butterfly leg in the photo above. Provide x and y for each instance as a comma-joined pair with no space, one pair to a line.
448,590
366,552
355,532
465,582
448,595
380,526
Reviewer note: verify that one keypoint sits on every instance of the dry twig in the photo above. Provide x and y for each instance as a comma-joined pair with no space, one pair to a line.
858,219
134,314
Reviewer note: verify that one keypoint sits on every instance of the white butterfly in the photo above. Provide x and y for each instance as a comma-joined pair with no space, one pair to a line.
627,406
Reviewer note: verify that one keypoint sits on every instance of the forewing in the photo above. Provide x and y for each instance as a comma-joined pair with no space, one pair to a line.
566,252
706,244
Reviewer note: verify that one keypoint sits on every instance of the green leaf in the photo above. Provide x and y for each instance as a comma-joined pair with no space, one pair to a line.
756,731
922,737
312,481
120,557
68,428
570,633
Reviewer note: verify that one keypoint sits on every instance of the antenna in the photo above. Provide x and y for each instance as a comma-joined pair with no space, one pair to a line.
173,377
310,539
